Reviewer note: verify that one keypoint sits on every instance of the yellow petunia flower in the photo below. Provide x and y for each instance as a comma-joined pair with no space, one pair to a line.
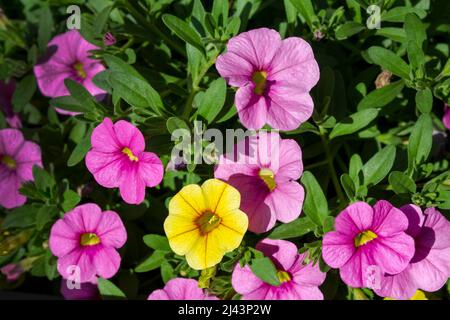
204,223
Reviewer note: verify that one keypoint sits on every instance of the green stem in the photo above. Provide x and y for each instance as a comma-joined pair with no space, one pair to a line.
155,30
195,86
334,178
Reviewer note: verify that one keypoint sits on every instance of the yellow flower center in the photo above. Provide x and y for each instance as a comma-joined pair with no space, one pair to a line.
130,154
283,276
8,161
364,237
259,78
268,177
208,221
80,70
89,239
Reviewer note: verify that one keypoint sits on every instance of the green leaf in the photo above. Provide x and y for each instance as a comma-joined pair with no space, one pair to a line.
80,150
42,179
348,185
45,27
264,269
420,141
80,94
136,92
355,168
68,103
395,34
315,205
167,272
354,123
306,10
157,242
213,100
348,29
382,96
398,14
415,29
109,289
424,100
44,215
174,123
153,262
220,11
401,183
101,19
116,64
70,200
22,217
378,167
294,229
183,31
25,90
389,61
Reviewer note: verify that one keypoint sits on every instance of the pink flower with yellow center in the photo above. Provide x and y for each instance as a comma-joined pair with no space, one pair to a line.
429,269
205,223
274,77
17,158
298,280
85,241
264,168
181,289
118,160
367,238
68,57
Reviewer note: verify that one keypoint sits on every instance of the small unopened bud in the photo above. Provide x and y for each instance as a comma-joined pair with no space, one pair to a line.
383,79
109,39
318,35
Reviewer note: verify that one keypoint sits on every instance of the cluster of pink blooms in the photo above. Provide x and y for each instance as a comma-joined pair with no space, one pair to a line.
409,248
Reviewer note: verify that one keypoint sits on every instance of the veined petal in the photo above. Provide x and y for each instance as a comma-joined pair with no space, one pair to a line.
220,197
188,202
205,253
181,232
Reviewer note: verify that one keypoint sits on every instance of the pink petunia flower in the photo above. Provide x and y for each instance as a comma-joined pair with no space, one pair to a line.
17,158
181,289
6,94
264,168
68,57
274,77
118,160
446,117
429,269
298,281
85,241
366,240
12,271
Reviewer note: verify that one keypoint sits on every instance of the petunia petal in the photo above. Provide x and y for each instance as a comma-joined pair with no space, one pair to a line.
257,46
132,186
252,108
387,219
189,202
354,219
151,169
129,136
220,197
287,108
337,249
283,253
244,280
234,69
111,230
106,261
286,201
